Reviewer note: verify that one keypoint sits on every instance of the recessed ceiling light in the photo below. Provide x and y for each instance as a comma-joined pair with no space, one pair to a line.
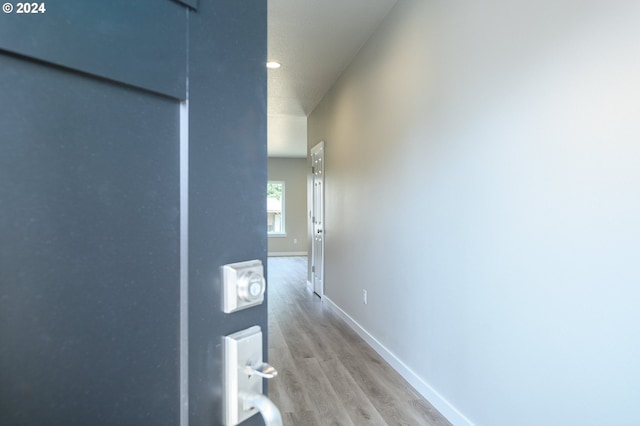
273,64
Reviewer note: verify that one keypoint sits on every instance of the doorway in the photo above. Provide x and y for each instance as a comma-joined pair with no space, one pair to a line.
317,219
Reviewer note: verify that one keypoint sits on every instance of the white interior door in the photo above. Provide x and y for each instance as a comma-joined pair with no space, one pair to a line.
317,247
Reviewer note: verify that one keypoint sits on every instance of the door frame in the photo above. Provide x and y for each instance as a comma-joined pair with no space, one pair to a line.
319,147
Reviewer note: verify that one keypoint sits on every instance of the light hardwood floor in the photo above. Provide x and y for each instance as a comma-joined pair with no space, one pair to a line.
327,374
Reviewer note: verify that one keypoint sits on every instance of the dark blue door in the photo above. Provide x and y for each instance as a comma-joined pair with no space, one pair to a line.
132,167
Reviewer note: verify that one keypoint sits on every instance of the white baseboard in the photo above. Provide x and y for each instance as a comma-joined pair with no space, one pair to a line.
430,394
286,253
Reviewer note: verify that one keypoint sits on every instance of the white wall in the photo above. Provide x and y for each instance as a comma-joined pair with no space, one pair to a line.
293,172
483,184
286,135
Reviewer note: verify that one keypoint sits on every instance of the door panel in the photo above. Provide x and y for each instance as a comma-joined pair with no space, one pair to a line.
228,177
89,236
140,43
317,268
90,243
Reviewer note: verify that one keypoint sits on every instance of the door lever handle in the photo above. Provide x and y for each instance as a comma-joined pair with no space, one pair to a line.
270,413
263,370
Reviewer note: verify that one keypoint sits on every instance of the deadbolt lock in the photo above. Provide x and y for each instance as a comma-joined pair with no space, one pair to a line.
243,285
251,286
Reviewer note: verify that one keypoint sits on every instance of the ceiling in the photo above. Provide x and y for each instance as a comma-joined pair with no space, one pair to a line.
314,40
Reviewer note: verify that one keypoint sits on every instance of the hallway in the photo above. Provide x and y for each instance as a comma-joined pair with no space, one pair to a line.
327,374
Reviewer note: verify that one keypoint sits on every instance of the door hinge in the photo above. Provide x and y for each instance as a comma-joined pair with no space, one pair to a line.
313,268
313,170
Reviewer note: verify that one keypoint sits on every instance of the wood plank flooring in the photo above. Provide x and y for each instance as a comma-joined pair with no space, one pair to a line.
327,375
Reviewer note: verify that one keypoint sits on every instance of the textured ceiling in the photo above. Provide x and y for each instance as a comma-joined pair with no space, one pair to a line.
314,40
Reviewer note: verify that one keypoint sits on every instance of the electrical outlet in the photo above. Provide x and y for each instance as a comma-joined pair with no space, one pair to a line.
364,296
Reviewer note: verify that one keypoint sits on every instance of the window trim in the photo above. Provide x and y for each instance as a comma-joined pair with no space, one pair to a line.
282,233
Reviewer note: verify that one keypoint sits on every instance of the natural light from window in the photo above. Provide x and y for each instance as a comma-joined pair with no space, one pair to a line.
275,208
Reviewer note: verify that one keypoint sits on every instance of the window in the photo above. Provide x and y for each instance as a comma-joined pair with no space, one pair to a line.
275,208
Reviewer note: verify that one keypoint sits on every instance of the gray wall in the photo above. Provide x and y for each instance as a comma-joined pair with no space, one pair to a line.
293,171
482,184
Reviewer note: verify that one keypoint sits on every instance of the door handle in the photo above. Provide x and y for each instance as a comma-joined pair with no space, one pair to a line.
243,374
267,409
263,370
319,231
